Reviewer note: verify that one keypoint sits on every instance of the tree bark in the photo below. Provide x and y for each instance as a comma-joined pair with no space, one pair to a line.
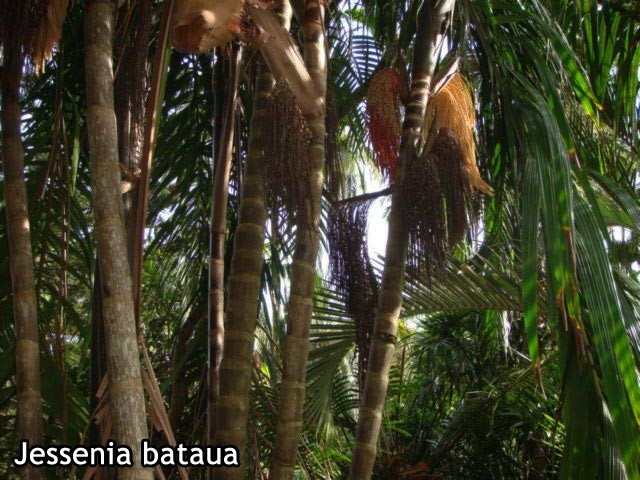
232,407
300,308
25,306
431,18
126,392
218,227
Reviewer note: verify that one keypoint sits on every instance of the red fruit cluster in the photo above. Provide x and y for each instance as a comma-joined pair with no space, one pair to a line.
383,119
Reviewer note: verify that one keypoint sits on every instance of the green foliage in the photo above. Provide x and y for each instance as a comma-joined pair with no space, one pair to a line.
521,362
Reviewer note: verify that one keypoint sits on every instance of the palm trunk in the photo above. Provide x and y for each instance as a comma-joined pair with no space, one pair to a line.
432,18
296,350
218,227
29,417
232,408
126,392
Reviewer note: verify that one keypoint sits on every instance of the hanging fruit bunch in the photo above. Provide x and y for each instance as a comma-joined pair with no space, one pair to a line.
439,182
286,157
383,119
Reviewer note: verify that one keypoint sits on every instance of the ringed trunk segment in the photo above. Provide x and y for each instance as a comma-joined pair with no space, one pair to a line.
25,306
126,394
236,367
300,309
219,200
431,19
232,407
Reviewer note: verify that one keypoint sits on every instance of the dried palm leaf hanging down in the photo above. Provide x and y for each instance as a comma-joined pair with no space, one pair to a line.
440,181
133,29
383,119
286,156
452,108
352,272
48,32
36,26
199,25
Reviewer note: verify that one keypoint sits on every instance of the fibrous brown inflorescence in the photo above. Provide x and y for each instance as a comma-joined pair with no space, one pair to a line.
439,182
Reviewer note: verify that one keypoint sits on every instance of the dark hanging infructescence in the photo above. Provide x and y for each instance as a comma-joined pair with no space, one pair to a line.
286,149
440,180
352,272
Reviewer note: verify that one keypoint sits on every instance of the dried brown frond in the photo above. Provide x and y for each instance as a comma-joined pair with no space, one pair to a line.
47,32
133,31
352,272
452,108
18,21
286,150
199,25
383,118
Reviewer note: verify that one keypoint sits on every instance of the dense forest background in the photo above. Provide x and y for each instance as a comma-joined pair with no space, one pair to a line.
186,216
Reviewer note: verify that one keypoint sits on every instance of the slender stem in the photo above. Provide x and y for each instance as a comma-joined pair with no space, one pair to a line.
152,117
25,307
365,197
126,394
300,306
217,239
431,17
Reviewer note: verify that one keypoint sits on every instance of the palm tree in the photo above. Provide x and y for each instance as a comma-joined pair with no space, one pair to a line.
126,393
25,35
232,408
300,309
514,353
218,230
24,296
431,18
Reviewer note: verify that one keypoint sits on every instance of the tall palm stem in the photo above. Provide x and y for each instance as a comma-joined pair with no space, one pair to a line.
300,309
431,18
25,307
126,392
232,407
218,226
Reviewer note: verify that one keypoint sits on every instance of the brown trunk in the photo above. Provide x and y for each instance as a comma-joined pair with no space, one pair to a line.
236,368
218,228
29,416
126,394
296,350
431,18
232,408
